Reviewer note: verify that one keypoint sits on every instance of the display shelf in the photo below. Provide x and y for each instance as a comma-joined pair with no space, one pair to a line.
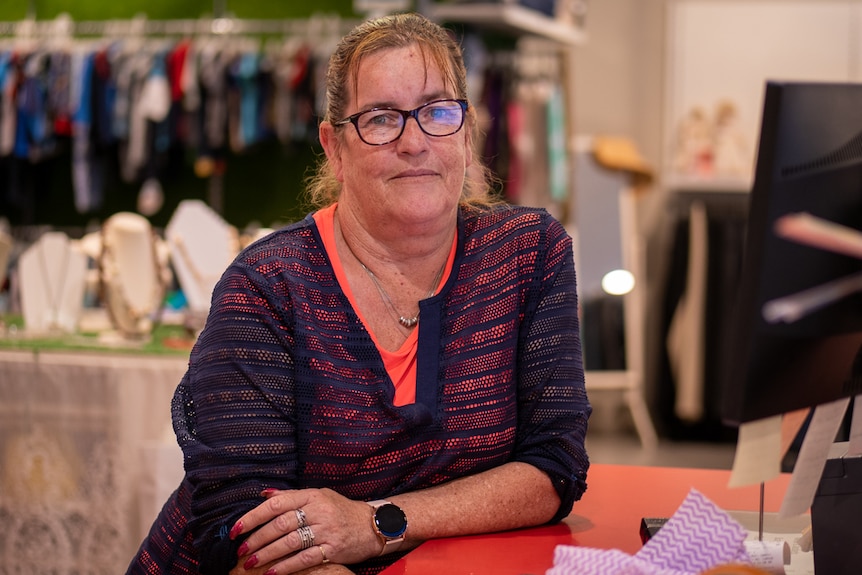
510,18
682,183
166,339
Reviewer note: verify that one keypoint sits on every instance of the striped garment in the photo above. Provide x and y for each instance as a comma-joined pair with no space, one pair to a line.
286,389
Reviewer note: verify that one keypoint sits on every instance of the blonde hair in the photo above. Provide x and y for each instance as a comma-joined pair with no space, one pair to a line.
397,31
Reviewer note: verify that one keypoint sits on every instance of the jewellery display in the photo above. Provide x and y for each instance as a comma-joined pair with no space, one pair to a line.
202,245
133,273
306,536
53,276
408,322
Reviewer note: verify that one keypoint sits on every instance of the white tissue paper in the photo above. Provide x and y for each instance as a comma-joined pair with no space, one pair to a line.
698,537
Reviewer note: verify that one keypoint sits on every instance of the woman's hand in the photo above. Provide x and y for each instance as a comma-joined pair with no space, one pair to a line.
325,569
295,530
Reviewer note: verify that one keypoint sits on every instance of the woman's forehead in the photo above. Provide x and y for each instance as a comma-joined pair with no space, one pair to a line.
396,69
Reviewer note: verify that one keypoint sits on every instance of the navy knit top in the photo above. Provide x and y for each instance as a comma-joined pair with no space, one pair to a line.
286,389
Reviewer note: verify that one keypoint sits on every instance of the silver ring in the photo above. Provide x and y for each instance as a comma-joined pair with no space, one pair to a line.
300,518
322,552
306,537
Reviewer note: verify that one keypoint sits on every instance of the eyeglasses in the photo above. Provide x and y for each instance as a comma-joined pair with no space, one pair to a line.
379,126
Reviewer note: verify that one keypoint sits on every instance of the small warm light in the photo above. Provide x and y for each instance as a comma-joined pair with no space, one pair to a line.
618,282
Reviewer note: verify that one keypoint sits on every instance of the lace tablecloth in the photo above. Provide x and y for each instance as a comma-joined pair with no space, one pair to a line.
82,436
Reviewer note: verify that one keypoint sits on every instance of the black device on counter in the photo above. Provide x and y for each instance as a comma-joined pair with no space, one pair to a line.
836,515
650,526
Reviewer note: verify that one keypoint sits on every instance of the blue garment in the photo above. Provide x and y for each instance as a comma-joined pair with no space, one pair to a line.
285,385
246,78
87,179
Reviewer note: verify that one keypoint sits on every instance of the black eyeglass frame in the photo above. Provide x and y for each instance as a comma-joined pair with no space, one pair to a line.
414,113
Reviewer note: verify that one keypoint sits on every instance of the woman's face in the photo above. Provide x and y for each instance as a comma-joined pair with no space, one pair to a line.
416,179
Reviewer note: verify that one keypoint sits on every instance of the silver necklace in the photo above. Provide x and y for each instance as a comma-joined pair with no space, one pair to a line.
54,288
408,322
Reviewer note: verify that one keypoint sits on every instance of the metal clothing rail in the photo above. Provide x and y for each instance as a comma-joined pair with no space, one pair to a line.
65,26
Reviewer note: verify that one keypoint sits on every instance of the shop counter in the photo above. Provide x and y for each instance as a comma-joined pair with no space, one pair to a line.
607,517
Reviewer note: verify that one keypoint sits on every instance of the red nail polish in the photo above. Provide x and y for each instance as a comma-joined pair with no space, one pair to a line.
250,562
271,571
268,491
243,549
235,530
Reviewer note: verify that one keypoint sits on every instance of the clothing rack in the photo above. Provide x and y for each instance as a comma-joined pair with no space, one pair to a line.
320,30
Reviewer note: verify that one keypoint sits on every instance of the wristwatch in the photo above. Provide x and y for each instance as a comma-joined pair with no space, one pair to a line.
390,524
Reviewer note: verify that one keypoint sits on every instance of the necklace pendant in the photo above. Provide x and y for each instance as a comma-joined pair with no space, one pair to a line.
408,321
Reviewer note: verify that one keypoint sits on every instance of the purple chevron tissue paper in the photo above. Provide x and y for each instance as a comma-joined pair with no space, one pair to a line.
698,537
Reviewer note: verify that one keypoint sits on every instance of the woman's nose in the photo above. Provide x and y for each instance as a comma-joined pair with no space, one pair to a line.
412,138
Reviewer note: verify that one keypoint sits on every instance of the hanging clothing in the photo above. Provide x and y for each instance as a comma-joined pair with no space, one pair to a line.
704,269
140,103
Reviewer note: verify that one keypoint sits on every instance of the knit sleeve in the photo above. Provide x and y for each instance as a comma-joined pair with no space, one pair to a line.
234,411
553,406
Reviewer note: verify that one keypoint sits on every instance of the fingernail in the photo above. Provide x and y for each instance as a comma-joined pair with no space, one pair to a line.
250,562
271,571
243,549
235,530
268,491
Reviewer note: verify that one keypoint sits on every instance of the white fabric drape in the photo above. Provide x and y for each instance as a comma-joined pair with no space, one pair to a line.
72,430
686,340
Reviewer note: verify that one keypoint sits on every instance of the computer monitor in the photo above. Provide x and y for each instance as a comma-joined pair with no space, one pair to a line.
809,161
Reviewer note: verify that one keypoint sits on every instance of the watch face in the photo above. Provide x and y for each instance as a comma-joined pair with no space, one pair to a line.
390,520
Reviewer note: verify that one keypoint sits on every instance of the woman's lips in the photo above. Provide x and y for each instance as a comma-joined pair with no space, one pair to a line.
415,174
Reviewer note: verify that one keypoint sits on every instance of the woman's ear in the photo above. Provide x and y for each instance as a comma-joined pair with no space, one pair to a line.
331,147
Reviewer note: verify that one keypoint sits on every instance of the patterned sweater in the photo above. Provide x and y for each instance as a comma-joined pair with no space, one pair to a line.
286,389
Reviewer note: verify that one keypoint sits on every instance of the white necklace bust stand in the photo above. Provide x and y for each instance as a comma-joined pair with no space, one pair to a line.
202,245
133,273
53,275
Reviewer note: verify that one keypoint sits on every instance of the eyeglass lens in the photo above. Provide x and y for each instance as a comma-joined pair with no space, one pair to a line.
441,118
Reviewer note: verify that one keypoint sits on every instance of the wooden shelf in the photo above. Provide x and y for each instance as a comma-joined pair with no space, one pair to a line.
686,183
510,18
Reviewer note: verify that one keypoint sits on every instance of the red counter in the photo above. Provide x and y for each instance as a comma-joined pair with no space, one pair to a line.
608,517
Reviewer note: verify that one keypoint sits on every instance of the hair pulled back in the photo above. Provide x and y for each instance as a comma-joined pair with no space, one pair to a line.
438,48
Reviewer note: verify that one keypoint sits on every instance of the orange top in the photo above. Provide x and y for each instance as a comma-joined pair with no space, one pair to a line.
401,363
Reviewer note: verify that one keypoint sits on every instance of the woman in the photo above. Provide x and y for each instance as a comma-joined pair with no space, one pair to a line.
403,364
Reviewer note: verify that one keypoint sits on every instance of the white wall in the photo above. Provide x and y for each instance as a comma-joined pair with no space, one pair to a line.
640,67
619,73
624,85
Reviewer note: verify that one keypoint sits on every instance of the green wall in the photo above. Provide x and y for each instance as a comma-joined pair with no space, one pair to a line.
165,9
262,184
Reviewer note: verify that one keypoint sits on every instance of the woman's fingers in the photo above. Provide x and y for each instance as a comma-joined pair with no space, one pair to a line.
287,560
276,504
296,529
288,532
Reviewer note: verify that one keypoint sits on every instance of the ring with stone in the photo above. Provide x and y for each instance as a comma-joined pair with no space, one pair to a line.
300,518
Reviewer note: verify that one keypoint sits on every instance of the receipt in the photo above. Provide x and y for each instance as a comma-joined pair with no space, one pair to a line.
770,556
